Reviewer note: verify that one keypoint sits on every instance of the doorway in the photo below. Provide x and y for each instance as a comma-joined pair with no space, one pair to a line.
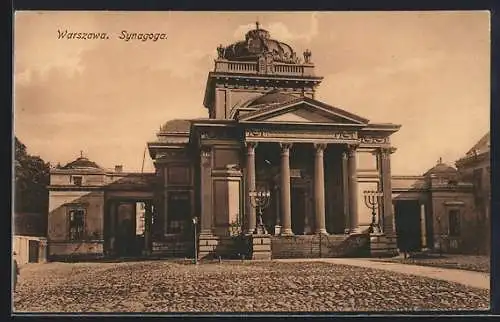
126,244
33,246
298,205
408,229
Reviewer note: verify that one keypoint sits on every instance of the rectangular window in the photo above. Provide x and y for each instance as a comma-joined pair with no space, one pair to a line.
454,222
76,224
77,180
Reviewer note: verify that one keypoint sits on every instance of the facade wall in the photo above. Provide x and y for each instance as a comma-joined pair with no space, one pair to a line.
477,171
21,245
227,188
60,202
227,98
176,195
443,204
88,179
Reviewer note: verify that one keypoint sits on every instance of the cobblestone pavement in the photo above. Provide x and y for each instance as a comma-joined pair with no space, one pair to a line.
165,286
467,262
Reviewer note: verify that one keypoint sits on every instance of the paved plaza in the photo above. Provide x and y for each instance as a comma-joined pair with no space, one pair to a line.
236,286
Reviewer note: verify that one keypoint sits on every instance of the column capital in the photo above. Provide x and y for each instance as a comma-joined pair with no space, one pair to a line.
250,145
205,151
319,147
205,154
351,148
387,151
285,147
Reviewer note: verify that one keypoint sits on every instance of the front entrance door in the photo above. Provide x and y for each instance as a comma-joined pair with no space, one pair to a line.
298,204
33,246
407,214
126,244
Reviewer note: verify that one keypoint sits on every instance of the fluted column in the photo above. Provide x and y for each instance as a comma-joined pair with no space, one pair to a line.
353,188
388,215
250,186
206,191
319,189
423,228
286,211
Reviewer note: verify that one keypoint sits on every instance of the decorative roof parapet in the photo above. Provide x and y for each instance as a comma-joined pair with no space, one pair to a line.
260,54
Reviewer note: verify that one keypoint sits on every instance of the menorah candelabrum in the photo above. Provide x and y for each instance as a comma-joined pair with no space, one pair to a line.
372,200
260,199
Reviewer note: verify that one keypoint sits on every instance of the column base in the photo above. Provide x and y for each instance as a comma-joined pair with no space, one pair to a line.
250,231
321,232
206,232
355,231
287,232
375,230
260,231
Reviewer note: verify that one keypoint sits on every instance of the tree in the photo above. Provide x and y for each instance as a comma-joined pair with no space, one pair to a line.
31,181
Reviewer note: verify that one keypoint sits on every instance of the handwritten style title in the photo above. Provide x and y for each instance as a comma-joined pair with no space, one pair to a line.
124,35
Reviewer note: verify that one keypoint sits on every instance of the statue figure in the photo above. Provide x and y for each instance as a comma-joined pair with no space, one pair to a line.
307,56
220,51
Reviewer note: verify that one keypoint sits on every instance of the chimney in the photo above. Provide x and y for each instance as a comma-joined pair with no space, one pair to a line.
119,168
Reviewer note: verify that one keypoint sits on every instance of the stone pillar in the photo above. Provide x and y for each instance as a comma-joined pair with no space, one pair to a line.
206,191
388,225
423,227
286,210
147,227
353,188
345,192
250,186
319,189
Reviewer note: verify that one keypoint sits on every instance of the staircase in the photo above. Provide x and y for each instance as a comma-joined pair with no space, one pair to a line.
317,246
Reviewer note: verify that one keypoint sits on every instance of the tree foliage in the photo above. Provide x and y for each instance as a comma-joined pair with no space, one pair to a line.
31,181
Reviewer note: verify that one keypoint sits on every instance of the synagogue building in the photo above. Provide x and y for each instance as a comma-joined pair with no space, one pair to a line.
271,172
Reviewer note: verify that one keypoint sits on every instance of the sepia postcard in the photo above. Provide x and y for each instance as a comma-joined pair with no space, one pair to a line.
251,162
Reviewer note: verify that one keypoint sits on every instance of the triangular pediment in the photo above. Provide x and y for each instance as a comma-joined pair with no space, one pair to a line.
304,110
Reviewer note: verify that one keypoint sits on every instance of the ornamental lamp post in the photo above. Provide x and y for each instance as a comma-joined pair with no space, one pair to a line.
260,199
195,222
372,200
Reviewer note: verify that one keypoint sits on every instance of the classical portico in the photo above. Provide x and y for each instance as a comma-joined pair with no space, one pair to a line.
344,145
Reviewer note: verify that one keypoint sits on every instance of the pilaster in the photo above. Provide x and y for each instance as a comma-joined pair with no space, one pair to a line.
388,224
206,190
353,188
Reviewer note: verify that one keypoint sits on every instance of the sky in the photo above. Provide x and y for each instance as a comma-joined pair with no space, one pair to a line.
428,71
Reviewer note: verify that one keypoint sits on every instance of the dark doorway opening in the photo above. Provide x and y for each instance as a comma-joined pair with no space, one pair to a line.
408,229
126,241
298,204
33,246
